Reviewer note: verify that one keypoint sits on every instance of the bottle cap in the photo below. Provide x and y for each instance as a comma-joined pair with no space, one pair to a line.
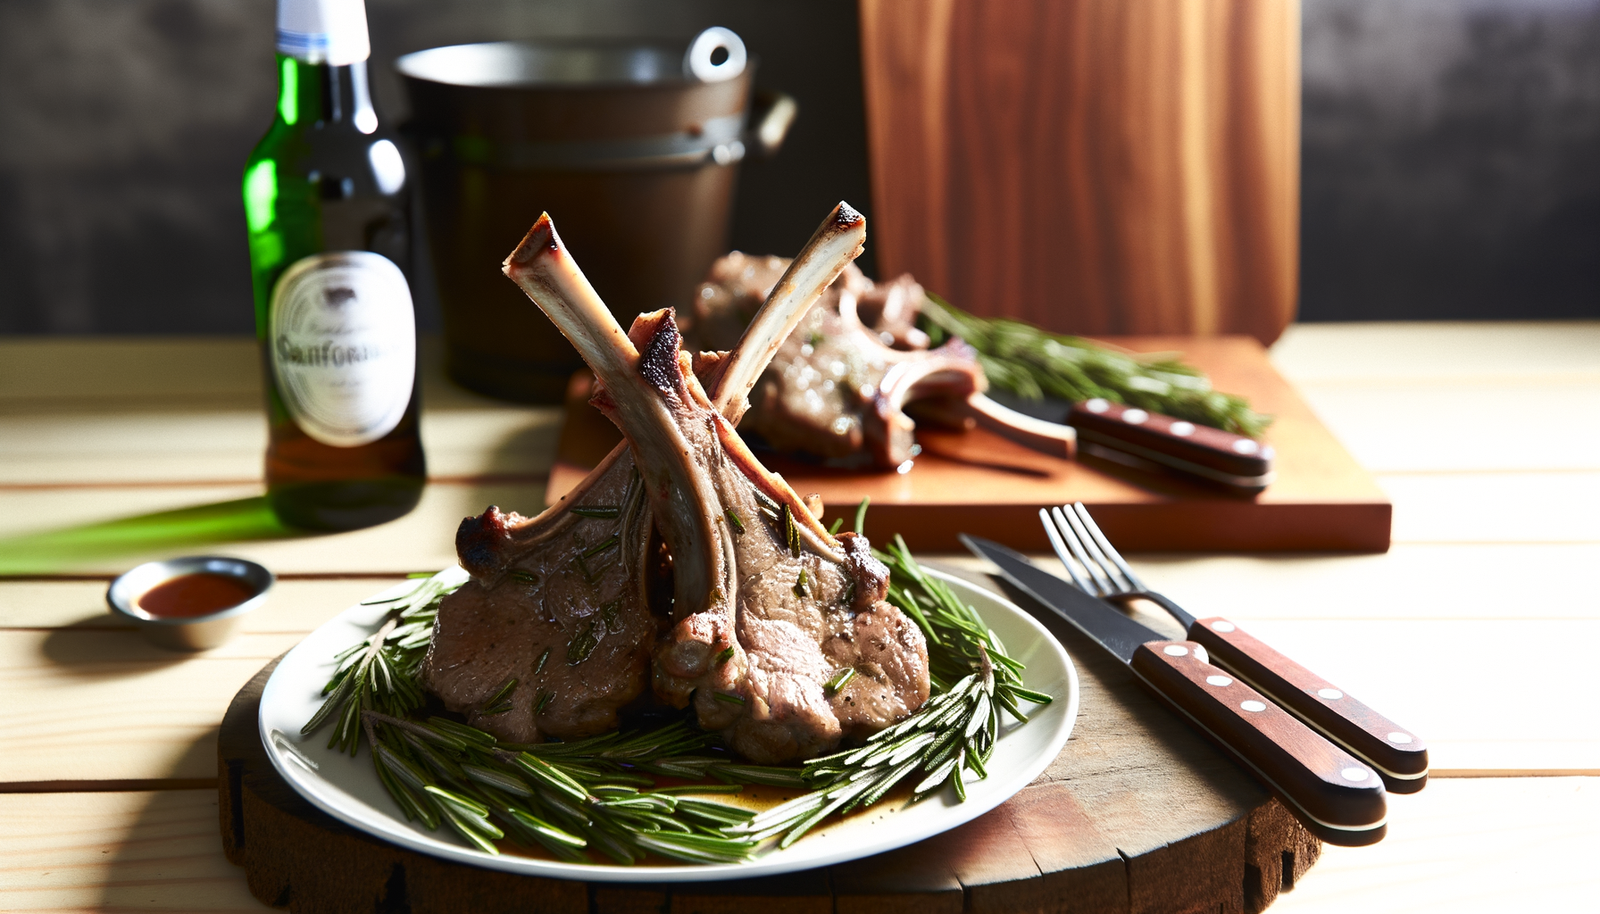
333,32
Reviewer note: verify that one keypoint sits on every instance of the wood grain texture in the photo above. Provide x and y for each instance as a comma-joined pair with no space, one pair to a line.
1459,846
106,705
1555,352
1089,165
125,851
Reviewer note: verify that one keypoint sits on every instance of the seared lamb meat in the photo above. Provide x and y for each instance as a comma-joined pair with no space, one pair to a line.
840,386
768,608
559,603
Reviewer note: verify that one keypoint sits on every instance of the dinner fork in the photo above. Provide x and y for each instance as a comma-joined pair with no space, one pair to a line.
1096,567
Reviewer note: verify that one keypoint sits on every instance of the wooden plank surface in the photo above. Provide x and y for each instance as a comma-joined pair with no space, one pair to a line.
1473,583
1373,653
1464,846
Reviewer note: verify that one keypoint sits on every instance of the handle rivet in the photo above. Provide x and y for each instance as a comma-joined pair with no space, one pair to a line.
1330,694
1245,446
1097,405
1175,650
1135,416
1222,626
1398,737
1355,774
1253,706
1218,681
1182,429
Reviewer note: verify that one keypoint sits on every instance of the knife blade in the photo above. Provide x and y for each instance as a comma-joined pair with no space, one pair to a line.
1338,797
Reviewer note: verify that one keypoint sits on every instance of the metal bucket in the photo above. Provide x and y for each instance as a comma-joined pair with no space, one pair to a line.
632,148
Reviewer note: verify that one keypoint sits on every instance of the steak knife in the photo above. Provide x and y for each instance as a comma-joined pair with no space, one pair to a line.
1151,441
1338,797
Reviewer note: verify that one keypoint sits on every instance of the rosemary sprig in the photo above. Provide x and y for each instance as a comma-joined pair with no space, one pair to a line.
380,673
1034,363
569,798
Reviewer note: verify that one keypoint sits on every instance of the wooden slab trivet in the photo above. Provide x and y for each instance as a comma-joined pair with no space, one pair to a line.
1137,814
977,482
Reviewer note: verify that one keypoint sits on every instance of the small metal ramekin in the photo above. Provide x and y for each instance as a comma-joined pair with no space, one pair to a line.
187,633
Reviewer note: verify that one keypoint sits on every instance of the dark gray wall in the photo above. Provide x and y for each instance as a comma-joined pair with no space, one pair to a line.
1451,159
124,125
1451,147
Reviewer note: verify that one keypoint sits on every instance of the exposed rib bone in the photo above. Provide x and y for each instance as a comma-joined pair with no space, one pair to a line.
633,382
835,243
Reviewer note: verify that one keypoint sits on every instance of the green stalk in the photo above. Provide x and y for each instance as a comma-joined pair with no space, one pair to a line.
1035,364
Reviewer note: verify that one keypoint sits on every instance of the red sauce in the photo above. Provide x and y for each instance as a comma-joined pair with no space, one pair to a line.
192,595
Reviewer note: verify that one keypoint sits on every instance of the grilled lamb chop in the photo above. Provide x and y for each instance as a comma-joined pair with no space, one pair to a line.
768,608
560,603
839,388
837,391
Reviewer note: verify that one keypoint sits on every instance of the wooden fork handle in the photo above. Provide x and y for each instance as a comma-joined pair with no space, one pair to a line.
1399,755
1338,797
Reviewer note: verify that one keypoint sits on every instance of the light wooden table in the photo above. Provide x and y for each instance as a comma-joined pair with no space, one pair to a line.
1473,630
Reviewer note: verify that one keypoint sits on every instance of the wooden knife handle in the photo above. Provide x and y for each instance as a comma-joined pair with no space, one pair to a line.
1155,436
1340,798
1398,754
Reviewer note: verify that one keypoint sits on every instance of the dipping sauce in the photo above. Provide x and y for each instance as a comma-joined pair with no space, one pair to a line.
190,595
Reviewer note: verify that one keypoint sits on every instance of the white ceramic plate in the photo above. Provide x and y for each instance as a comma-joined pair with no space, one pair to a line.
348,789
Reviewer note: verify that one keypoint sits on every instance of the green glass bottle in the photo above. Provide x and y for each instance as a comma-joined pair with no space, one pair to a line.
327,207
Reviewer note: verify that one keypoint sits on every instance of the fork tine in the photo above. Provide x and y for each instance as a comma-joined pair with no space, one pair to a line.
1105,546
1098,566
1104,586
1061,553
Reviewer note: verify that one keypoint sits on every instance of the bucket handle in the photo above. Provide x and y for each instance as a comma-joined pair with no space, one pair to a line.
699,61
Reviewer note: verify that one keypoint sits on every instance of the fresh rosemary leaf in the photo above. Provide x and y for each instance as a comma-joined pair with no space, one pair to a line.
502,692
526,577
727,698
734,520
791,533
800,585
583,643
840,679
768,506
833,529
724,655
597,511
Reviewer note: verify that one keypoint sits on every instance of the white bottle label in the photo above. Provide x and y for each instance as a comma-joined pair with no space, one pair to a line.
343,341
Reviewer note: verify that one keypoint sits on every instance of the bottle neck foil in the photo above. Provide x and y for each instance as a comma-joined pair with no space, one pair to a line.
332,32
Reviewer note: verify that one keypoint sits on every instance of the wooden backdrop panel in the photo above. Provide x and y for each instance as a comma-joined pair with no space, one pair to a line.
1091,166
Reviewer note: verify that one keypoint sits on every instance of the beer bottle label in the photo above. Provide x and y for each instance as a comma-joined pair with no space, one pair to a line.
343,345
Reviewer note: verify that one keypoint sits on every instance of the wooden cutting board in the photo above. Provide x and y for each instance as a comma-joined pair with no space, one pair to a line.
1137,814
979,483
